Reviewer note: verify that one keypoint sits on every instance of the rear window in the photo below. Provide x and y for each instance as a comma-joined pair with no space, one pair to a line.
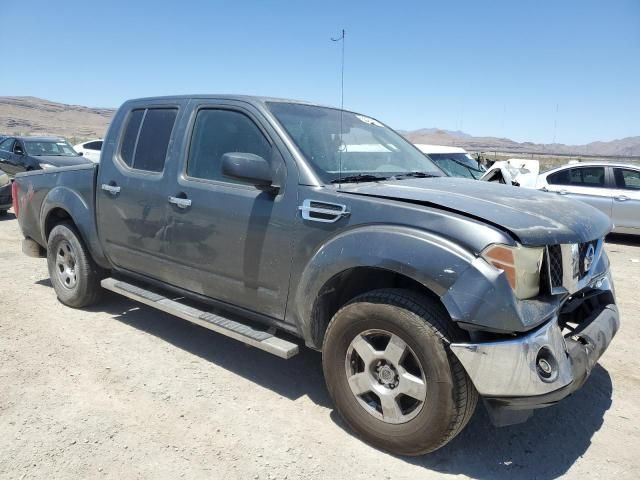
146,138
97,145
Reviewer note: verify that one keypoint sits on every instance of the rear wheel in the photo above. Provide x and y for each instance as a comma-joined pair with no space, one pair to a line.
74,274
391,374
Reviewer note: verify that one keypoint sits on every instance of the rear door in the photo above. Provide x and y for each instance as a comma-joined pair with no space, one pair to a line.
587,184
626,200
132,189
233,242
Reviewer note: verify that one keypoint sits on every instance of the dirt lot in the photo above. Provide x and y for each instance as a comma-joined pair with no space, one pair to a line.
123,391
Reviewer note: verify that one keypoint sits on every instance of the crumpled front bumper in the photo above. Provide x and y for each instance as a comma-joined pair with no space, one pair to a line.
507,373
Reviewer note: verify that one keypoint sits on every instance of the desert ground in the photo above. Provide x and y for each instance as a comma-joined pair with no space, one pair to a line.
124,391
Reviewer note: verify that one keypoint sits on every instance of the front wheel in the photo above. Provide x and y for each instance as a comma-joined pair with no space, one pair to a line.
74,275
391,374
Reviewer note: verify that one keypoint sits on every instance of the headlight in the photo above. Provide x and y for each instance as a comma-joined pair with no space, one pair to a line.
46,166
521,265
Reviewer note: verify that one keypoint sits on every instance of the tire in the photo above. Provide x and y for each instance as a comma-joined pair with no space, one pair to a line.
441,397
74,275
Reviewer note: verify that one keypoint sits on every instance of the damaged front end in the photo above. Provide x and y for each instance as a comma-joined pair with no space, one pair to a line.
519,372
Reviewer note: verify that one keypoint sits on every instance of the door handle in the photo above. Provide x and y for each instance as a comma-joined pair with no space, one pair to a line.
562,192
180,202
622,198
112,189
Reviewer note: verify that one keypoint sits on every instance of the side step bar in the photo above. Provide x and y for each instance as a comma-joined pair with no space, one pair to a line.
226,326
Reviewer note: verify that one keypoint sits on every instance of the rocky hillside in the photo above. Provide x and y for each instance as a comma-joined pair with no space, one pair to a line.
35,116
625,147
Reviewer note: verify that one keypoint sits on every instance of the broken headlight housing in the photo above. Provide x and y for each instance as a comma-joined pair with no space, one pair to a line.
521,266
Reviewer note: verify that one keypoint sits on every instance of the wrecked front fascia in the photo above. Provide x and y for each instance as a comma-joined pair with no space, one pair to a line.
509,368
482,299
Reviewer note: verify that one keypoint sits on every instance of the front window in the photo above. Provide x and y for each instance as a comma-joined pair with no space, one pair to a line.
217,132
579,177
58,148
457,164
365,148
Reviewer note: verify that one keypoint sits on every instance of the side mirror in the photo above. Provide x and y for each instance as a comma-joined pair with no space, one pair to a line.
248,167
80,154
18,150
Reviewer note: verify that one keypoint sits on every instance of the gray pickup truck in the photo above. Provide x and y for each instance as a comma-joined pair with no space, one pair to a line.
268,220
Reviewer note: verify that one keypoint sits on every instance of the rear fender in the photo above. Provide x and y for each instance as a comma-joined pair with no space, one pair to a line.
82,215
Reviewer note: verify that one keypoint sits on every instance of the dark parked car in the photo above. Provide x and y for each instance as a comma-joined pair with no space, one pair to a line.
263,219
23,154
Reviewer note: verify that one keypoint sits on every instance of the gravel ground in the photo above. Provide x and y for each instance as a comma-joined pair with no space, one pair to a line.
124,391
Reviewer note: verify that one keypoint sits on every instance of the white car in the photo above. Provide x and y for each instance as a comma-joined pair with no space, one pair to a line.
613,188
90,150
515,171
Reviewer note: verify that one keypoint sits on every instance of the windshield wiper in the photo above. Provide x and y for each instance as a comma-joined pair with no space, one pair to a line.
416,175
362,177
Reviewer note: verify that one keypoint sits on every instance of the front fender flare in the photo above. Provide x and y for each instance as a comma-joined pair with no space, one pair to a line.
425,257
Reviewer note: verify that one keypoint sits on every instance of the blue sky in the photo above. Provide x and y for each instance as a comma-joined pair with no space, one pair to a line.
498,68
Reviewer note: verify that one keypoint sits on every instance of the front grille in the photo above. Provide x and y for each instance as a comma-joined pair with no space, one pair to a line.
555,265
579,269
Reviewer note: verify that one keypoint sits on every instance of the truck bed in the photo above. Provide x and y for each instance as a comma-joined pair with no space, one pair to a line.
41,192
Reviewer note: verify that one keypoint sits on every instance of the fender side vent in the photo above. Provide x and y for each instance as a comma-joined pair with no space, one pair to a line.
325,212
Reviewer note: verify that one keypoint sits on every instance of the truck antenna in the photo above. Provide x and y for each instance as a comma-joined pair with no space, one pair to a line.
342,146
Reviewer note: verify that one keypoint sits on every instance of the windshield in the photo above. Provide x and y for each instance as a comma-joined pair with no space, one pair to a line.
367,150
49,147
457,164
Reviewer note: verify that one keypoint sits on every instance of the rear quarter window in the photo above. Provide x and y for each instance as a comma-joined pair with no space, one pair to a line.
93,145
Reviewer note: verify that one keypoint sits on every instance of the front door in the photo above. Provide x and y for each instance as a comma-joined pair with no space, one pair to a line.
132,190
587,184
229,240
626,200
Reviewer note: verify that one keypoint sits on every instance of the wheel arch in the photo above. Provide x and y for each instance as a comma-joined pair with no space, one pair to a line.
349,284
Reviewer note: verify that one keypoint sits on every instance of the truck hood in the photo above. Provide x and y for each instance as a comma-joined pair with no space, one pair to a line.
59,161
531,216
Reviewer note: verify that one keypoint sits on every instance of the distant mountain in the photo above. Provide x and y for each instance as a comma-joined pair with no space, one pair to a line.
625,147
35,116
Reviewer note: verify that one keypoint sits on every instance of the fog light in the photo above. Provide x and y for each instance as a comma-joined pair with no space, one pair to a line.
546,365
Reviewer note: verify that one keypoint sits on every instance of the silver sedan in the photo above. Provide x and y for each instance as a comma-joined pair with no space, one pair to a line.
613,188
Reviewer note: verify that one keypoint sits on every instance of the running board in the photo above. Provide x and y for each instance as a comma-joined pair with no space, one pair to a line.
226,326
